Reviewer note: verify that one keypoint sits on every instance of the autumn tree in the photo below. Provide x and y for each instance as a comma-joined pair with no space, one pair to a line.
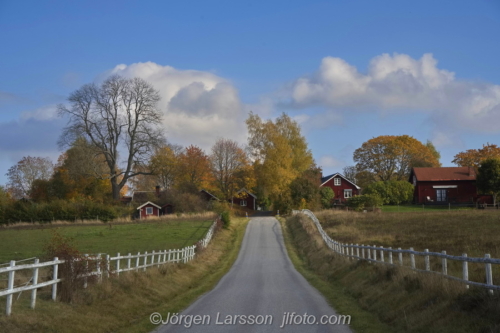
194,169
488,177
119,116
227,160
22,175
280,155
474,157
305,189
391,157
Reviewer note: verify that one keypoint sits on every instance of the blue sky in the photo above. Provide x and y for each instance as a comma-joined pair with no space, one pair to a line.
346,70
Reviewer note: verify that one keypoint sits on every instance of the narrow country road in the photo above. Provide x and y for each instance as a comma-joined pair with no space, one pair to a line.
258,292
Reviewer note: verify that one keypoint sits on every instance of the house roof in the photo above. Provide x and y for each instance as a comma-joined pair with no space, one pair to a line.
447,173
327,178
210,194
245,190
148,203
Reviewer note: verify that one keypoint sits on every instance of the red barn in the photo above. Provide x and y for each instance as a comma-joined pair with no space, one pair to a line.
148,209
245,199
341,186
444,185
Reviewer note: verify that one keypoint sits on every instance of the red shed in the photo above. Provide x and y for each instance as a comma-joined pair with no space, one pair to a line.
341,186
444,185
245,199
148,209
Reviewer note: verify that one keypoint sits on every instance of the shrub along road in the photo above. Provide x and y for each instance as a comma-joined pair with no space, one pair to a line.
261,290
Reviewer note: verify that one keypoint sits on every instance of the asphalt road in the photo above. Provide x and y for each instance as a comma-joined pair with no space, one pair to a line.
258,292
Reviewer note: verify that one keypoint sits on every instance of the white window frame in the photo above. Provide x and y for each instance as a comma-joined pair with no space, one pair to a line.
243,203
441,195
347,193
337,181
148,210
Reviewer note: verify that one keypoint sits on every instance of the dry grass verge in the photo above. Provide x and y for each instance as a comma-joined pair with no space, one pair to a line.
405,300
124,304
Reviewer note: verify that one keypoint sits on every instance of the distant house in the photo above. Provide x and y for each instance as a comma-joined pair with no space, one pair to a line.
246,199
445,185
341,186
208,196
148,209
156,198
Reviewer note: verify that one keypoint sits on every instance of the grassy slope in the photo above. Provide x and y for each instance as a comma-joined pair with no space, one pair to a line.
405,300
16,244
124,304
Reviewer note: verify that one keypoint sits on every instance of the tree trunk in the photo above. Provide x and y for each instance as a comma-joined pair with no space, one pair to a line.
116,189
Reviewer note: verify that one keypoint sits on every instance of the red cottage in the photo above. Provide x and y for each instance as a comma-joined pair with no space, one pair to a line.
245,199
341,186
148,209
444,185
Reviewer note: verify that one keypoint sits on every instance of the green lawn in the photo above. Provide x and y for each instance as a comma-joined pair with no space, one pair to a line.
16,244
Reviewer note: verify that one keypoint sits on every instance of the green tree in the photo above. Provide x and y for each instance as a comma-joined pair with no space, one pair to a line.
305,190
327,195
488,177
392,192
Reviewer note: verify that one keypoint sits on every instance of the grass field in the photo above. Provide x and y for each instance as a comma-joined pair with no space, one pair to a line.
422,208
21,243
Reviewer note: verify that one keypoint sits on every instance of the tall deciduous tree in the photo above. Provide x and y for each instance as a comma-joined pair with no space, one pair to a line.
227,161
118,116
473,157
280,155
22,175
194,169
392,157
488,177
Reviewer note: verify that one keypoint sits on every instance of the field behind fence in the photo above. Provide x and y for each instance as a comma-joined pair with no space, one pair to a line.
477,271
37,275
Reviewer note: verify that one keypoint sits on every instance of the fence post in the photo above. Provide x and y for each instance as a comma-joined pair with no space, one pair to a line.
145,260
137,259
10,285
128,261
444,264
412,258
35,281
98,262
369,252
489,275
427,262
465,270
357,250
169,252
54,286
382,253
165,256
86,256
118,264
390,255
400,257
375,252
107,265
363,251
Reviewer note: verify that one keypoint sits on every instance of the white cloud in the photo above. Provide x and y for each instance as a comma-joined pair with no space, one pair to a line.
199,106
328,161
399,83
46,112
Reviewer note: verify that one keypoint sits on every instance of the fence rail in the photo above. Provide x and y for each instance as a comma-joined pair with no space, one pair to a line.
96,266
379,254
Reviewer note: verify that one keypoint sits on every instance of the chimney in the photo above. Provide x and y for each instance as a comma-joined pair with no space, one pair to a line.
471,172
157,190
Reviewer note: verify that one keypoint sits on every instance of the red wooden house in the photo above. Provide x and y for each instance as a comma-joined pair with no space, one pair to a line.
148,209
453,185
341,186
245,199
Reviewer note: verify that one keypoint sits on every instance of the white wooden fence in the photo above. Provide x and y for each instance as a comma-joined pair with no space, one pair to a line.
386,256
99,265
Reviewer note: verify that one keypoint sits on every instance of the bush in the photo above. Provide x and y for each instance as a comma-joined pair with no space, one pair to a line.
392,192
361,202
226,219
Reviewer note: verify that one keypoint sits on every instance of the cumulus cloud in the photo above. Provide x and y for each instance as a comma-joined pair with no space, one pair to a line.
399,83
198,106
328,161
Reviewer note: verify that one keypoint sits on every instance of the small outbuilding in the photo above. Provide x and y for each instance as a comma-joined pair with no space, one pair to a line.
148,209
245,199
341,186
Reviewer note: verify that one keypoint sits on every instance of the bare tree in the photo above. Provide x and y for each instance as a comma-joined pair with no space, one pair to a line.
119,115
22,175
226,160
